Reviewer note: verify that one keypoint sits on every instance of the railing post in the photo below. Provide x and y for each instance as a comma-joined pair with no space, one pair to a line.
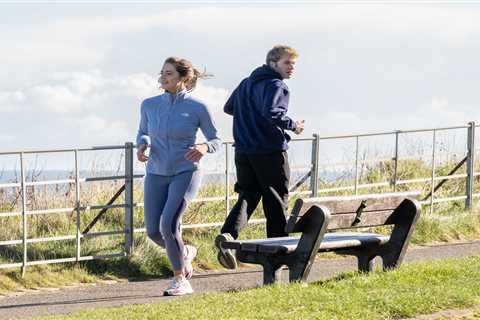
24,214
227,179
470,165
128,198
77,208
356,165
314,166
395,164
434,142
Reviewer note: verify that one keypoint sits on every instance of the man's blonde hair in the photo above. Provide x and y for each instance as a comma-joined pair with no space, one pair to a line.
277,52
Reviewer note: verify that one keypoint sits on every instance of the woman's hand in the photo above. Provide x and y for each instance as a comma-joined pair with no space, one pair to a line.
197,152
141,153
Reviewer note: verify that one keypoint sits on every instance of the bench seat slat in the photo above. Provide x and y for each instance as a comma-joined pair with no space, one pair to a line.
331,241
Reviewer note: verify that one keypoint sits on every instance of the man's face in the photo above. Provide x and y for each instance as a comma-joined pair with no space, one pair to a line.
285,66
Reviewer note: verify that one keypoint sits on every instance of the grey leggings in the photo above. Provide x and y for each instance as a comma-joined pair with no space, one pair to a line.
166,198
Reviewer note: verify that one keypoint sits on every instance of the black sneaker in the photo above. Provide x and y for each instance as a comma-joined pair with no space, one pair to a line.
226,257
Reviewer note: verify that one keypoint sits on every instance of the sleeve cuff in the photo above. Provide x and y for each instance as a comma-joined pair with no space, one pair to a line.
144,140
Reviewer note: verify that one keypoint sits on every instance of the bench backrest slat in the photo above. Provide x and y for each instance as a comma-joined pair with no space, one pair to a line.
367,219
375,209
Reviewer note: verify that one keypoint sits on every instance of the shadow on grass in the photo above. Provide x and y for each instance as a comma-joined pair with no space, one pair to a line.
128,269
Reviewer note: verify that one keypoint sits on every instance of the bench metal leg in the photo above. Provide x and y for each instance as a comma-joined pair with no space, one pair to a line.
271,274
296,272
299,267
313,226
391,261
365,263
405,217
270,263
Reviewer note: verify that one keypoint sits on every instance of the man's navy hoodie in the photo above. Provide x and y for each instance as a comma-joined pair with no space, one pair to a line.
259,106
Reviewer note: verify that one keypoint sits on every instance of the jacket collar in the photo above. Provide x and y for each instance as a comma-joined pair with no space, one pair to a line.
176,97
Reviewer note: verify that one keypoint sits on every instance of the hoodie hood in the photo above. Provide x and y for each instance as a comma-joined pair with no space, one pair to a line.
264,73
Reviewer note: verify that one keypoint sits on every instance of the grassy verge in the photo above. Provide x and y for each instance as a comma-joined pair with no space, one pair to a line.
411,290
148,261
41,277
447,225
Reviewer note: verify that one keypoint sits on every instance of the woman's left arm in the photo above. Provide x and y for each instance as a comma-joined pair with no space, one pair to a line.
207,125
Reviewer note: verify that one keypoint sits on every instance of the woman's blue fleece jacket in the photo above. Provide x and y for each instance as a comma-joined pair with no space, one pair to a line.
169,124
259,106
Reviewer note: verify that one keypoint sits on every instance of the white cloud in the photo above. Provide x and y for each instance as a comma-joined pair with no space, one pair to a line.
387,18
8,100
444,113
92,107
5,138
57,98
89,39
78,92
364,58
94,130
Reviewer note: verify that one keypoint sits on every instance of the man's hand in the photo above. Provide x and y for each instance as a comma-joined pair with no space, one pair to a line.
141,156
300,125
197,152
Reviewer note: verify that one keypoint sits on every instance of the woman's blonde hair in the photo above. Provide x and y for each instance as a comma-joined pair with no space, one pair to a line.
187,71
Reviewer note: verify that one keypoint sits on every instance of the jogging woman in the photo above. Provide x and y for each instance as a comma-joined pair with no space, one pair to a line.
168,124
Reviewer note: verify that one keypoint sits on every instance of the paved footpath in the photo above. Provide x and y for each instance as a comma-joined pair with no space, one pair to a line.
71,299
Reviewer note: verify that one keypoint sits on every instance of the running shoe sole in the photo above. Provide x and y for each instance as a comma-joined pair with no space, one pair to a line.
225,256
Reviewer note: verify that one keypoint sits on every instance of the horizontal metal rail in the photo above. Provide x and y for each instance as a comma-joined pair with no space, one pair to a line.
63,238
10,185
390,132
64,181
205,225
62,210
375,160
439,200
63,260
35,151
10,214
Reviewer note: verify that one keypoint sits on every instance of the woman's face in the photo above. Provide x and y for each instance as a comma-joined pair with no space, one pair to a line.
170,78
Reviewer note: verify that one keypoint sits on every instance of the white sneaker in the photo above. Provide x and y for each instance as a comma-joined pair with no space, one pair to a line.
178,287
190,253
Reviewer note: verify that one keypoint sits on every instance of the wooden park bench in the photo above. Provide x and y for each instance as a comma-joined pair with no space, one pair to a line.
319,221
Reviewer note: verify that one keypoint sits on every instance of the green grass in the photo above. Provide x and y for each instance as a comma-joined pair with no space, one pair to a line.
448,224
476,315
43,276
414,289
149,261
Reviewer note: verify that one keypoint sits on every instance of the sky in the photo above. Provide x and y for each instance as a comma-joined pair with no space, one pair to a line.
74,75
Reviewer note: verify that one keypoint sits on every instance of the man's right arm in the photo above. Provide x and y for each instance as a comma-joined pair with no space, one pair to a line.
275,106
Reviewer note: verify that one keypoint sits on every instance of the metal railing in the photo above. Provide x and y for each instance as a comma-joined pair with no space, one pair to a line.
129,205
